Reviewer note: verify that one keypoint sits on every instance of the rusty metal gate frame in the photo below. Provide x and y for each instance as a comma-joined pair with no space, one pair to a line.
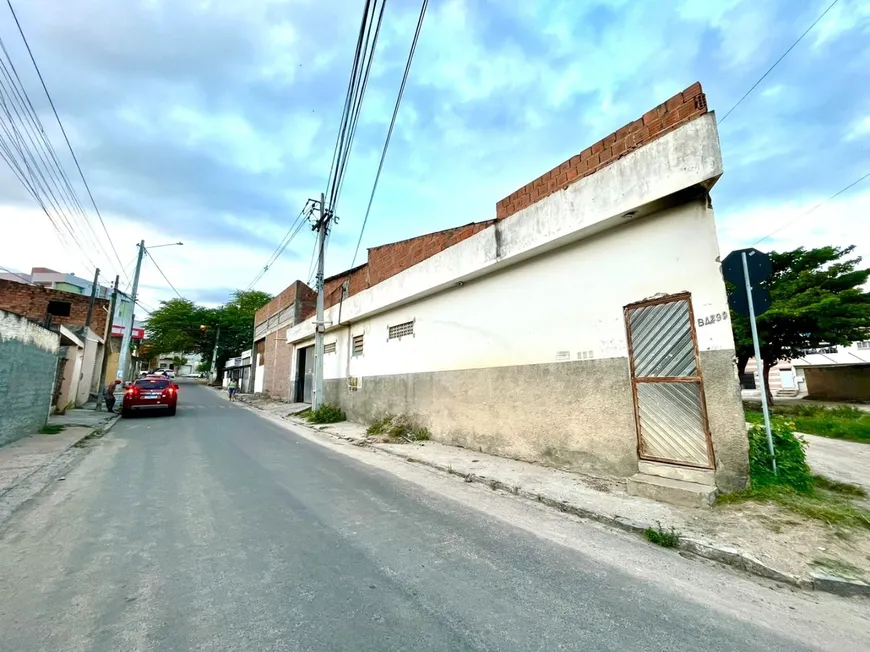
699,379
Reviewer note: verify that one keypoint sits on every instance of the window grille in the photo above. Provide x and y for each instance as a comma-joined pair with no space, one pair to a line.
329,348
400,330
358,345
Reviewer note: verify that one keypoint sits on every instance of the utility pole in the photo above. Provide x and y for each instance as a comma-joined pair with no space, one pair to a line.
93,299
322,228
124,356
212,372
107,346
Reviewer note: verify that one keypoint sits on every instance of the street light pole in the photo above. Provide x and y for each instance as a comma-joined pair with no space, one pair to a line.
322,226
212,372
123,359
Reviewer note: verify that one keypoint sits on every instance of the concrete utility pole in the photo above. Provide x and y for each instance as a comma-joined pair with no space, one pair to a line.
123,359
212,372
322,228
107,347
93,299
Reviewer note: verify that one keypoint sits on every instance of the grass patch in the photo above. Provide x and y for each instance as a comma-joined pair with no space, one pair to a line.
838,567
661,537
398,429
818,505
842,422
51,429
794,487
843,488
326,413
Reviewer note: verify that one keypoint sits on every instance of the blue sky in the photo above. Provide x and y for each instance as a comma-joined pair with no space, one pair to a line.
212,122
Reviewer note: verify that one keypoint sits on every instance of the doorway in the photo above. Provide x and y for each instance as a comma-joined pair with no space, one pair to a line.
669,403
304,374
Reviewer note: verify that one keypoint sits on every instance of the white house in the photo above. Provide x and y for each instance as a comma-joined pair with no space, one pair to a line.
586,327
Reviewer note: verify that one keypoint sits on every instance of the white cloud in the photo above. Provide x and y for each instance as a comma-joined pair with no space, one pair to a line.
840,222
858,129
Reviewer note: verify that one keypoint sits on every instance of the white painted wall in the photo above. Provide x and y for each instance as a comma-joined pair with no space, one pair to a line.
15,327
570,300
260,374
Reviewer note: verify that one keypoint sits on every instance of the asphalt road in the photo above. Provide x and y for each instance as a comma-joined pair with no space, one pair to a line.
219,529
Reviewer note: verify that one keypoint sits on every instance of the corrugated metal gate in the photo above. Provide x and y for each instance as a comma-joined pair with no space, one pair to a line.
666,379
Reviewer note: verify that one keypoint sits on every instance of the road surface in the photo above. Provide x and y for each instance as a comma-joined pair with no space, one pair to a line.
219,529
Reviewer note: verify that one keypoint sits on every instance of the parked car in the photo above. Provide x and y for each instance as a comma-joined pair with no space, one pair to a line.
155,392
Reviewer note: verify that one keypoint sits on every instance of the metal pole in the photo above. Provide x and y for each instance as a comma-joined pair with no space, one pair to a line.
212,373
107,346
317,398
124,356
759,364
93,299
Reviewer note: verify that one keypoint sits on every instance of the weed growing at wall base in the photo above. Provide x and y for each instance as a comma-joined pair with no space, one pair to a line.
51,429
326,413
398,429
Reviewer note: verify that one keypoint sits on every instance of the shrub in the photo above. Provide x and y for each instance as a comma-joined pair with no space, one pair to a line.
326,413
398,428
791,461
662,537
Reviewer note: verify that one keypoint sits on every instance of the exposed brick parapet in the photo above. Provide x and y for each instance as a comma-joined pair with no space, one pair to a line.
681,108
31,301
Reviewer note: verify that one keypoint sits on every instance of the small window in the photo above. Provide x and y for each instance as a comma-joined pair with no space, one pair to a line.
329,348
358,345
59,308
864,344
400,330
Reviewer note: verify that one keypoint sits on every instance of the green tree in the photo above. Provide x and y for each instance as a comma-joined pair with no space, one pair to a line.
175,327
817,298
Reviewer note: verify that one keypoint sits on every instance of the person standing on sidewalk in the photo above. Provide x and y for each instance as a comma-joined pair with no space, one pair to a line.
233,387
110,395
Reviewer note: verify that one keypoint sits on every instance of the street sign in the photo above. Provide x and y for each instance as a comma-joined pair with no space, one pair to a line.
744,270
759,268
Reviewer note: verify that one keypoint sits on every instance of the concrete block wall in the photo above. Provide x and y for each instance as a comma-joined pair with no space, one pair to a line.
28,362
678,110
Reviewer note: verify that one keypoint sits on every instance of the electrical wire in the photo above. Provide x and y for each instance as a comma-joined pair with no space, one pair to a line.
162,274
776,63
807,212
392,125
9,271
63,131
294,229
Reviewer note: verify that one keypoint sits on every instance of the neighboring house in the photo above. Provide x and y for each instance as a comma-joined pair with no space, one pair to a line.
81,348
238,369
53,280
167,361
271,369
829,372
586,327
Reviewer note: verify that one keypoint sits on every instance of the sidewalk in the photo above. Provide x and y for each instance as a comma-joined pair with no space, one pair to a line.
761,538
26,465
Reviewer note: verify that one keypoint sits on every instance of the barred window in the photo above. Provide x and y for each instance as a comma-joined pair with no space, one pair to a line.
400,330
329,348
260,330
358,345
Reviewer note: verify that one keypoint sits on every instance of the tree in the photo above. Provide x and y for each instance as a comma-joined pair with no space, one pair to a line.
181,326
817,299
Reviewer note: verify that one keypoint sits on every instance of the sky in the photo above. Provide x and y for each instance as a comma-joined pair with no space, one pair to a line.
211,122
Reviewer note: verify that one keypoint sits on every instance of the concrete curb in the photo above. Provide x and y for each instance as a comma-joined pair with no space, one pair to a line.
720,553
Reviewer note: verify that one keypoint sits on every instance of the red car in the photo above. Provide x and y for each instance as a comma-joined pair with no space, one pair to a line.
150,393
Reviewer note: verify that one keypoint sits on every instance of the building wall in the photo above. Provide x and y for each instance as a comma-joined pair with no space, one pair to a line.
28,363
91,358
532,362
31,302
843,383
270,325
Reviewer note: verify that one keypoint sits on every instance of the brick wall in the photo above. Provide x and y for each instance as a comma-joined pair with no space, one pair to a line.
666,117
288,296
390,259
31,301
28,362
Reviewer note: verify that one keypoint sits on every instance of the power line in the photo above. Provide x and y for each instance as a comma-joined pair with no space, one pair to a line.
63,131
776,63
392,125
9,271
805,213
162,274
294,229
